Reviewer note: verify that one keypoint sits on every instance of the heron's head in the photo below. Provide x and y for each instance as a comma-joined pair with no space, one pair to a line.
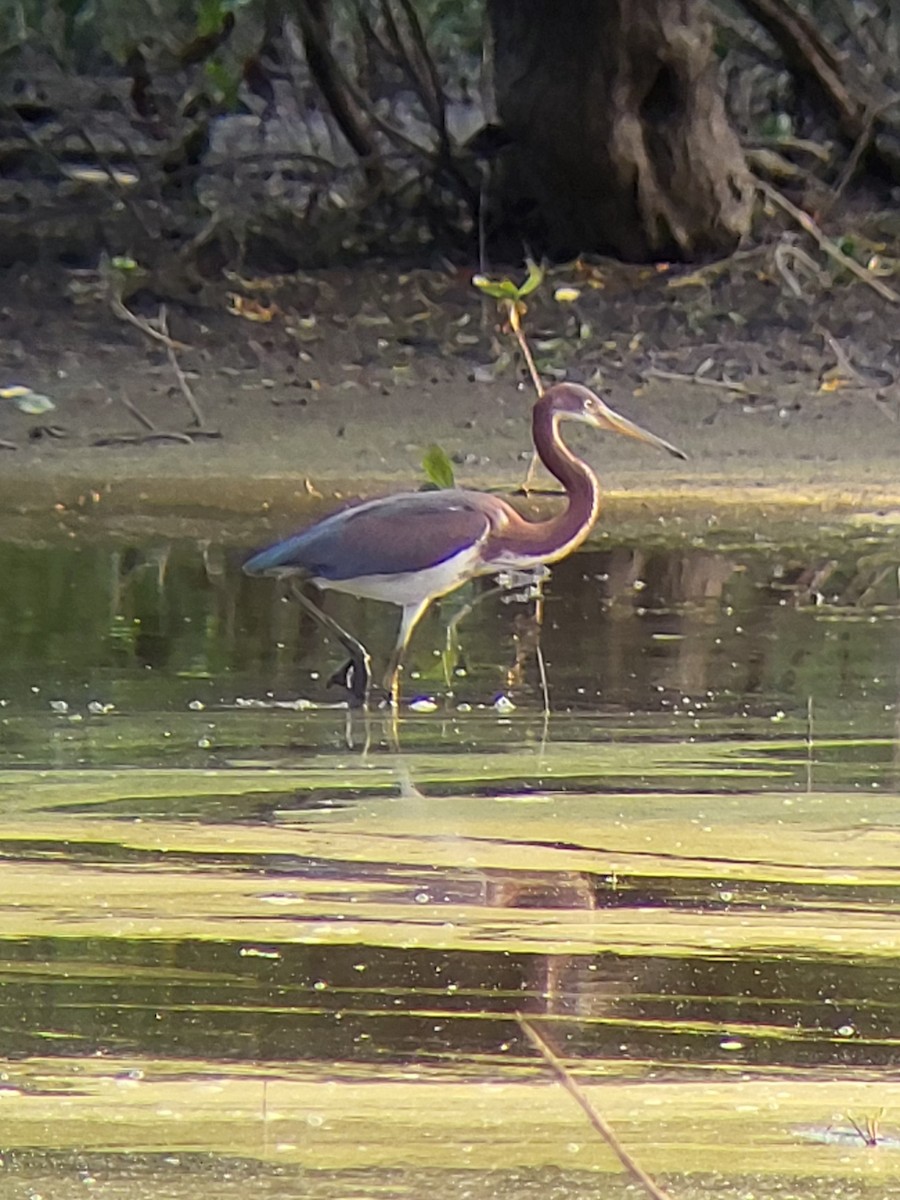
575,402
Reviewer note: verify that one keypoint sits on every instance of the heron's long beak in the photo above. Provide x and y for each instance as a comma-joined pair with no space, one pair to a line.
619,424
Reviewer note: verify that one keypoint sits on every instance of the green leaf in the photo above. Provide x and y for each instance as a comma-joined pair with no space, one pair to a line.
225,81
27,401
534,280
505,289
499,289
210,15
438,468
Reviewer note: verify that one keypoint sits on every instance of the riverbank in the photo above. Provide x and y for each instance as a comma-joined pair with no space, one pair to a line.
340,392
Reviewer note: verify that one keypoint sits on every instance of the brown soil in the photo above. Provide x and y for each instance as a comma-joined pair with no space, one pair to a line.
358,372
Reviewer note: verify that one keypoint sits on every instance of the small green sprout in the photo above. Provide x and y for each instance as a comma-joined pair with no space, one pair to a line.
438,468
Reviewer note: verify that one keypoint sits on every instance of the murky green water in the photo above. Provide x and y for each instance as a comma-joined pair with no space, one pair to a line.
249,943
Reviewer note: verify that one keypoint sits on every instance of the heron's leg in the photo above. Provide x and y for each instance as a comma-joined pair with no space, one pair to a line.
527,581
357,674
456,620
409,619
527,639
353,679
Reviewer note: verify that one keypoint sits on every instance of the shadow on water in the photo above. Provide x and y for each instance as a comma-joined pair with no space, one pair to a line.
246,941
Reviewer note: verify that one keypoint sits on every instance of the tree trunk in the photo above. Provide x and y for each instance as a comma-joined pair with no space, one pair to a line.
619,139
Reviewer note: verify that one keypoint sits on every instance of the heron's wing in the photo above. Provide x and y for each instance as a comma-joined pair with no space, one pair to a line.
392,536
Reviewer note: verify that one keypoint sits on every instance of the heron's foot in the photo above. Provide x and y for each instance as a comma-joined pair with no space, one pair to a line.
355,677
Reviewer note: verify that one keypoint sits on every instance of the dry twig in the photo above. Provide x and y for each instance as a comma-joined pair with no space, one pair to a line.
788,256
805,221
138,439
763,160
183,384
634,1169
125,314
784,141
845,366
682,377
137,414
849,371
153,434
860,147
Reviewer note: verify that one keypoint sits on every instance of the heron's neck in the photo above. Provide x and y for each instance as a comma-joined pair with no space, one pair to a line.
563,533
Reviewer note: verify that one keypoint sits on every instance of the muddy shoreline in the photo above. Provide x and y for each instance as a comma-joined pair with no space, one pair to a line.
339,397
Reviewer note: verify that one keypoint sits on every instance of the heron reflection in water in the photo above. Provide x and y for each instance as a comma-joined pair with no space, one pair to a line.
412,547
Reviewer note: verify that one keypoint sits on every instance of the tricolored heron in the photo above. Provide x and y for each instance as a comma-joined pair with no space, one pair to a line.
412,547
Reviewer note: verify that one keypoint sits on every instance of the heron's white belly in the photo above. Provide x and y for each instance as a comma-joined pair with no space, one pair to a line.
412,587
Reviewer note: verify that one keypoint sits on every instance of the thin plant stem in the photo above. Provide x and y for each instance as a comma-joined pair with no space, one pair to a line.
515,325
637,1172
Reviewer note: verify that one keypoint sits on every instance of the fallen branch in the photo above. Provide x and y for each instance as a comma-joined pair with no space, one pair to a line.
183,384
125,314
699,276
805,221
763,160
850,372
137,414
786,257
845,366
786,141
153,434
682,377
139,439
637,1172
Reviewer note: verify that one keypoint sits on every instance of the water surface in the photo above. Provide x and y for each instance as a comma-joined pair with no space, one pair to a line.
249,940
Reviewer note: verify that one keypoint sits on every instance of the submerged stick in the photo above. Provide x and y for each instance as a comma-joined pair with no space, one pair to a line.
637,1172
538,649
